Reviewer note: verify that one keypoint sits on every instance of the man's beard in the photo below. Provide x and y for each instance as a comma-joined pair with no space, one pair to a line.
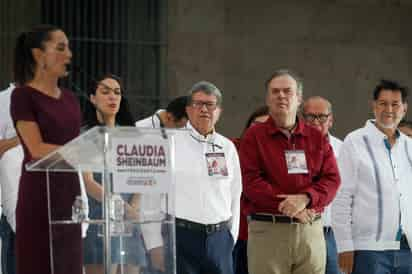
388,125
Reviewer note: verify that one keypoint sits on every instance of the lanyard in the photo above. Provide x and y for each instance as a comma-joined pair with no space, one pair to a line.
160,121
209,143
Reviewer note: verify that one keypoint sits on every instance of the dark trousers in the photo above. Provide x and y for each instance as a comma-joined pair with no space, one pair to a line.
201,253
332,266
240,257
8,258
384,262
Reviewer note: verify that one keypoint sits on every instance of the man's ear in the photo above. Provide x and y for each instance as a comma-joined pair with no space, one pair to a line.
373,105
300,99
221,110
331,121
219,113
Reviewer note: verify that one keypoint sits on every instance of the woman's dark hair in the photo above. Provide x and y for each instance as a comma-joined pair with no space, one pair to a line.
123,118
24,63
263,110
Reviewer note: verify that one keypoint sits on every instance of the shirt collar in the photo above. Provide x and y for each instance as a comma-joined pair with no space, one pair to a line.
376,134
209,138
156,120
300,128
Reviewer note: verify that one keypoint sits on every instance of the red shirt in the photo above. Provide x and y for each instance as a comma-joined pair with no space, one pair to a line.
265,174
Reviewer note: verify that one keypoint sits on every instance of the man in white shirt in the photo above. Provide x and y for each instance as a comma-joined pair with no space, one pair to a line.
208,188
174,116
11,157
372,213
317,111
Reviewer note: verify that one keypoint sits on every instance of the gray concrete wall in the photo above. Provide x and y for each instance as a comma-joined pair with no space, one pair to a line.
341,49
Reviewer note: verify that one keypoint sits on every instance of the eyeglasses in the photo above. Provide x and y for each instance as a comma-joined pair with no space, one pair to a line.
199,105
322,118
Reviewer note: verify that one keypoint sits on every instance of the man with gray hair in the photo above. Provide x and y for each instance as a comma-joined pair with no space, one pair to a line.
290,175
208,188
317,112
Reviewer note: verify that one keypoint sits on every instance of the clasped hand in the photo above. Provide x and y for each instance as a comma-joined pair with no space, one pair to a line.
294,205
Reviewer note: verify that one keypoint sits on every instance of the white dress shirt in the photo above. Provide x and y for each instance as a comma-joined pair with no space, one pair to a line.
6,124
151,121
327,214
10,170
199,197
10,162
376,191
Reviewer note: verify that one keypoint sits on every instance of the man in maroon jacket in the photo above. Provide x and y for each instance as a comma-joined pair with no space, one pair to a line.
290,175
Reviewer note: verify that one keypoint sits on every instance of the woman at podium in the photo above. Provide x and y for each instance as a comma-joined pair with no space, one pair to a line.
107,107
46,117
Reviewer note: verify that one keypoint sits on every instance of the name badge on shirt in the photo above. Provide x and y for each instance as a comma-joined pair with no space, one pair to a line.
216,164
296,162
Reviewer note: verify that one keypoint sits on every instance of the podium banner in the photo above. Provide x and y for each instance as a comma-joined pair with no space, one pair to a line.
141,164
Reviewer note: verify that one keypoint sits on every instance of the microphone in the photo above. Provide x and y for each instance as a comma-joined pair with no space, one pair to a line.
70,68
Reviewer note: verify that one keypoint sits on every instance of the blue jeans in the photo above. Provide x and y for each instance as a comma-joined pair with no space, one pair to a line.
8,258
200,253
384,262
332,266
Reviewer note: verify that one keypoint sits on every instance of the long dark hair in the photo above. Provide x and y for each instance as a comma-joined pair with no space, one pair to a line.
123,118
24,62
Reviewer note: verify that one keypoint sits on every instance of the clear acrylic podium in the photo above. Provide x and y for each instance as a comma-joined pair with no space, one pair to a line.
127,226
